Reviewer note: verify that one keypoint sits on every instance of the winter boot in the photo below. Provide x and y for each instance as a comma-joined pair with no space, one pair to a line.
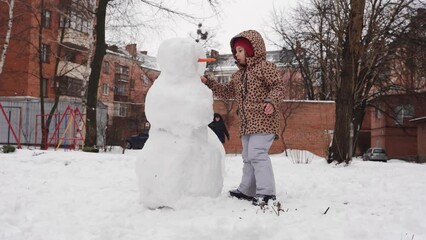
236,193
262,200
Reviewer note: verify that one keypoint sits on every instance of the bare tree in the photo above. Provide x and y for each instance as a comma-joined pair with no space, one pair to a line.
11,5
354,44
44,53
307,35
100,50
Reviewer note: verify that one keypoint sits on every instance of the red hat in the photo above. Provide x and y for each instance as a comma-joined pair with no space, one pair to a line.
244,43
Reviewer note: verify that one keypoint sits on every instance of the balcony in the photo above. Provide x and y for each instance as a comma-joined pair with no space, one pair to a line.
121,92
72,70
120,98
68,86
121,77
76,39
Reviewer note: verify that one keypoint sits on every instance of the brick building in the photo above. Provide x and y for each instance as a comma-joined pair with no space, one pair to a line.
48,55
394,120
395,123
421,137
125,79
35,62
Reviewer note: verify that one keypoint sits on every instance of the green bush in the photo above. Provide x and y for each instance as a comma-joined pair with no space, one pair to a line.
90,149
8,149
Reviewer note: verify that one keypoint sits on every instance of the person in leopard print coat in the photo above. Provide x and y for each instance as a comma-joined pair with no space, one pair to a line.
258,90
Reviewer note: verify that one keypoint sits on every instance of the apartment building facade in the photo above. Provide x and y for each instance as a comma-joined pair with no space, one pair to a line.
127,74
48,56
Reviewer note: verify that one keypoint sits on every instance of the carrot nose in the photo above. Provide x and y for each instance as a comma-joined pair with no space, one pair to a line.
207,60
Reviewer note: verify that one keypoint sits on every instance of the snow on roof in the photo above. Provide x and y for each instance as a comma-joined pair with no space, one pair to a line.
226,62
147,61
419,119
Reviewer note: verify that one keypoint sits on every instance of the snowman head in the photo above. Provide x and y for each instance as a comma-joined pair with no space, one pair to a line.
179,56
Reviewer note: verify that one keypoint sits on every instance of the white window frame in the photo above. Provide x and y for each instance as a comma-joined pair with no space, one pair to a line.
105,89
403,111
45,51
122,110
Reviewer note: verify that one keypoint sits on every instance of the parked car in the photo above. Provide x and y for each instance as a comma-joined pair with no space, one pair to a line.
137,141
375,154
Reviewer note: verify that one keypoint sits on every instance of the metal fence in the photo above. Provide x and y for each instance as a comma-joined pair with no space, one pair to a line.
22,114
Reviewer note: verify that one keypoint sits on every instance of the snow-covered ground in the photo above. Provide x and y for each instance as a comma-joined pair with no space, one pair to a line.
54,195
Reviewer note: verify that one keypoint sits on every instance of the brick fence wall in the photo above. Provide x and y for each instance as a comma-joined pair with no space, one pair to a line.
306,125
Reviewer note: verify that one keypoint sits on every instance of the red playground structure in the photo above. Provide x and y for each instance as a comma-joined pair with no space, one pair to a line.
69,129
9,124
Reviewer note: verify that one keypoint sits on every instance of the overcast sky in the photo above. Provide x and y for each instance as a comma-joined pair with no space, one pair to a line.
234,17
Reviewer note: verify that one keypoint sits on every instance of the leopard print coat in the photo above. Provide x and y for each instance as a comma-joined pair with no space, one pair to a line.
251,86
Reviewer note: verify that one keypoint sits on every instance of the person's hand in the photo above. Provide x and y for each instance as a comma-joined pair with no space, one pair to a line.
204,79
269,108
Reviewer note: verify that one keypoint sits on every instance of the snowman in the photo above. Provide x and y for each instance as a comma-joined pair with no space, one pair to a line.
182,158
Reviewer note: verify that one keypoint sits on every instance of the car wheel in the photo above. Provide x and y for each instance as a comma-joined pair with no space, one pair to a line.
128,145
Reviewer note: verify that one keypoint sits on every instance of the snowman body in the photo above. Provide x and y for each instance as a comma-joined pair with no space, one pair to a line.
182,156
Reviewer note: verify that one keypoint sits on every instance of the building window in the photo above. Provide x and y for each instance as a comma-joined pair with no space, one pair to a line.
121,73
106,67
378,113
105,89
46,19
45,52
145,79
120,110
70,86
120,90
317,79
223,79
403,111
122,70
123,111
44,83
76,18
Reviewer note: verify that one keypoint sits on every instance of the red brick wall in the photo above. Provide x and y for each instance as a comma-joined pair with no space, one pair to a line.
421,141
20,75
399,141
14,78
307,124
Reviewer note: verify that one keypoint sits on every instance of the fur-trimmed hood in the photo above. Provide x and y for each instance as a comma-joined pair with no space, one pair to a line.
257,43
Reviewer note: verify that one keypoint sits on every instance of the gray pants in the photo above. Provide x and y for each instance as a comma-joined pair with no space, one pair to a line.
258,176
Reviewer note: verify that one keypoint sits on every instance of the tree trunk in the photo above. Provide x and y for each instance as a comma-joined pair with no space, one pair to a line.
359,113
7,37
57,93
96,65
341,149
44,129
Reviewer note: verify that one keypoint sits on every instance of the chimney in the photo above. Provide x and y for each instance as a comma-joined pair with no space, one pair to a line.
214,54
132,49
113,48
